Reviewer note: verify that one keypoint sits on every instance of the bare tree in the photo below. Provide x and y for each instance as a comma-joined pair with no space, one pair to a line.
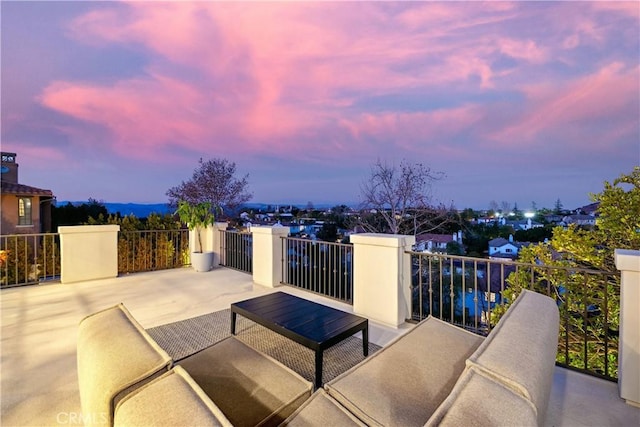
213,181
398,199
493,207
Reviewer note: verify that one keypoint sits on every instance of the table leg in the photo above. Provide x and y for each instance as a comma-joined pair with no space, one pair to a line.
318,369
365,341
233,322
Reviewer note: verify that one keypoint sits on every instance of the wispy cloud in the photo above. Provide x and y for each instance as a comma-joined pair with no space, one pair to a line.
606,101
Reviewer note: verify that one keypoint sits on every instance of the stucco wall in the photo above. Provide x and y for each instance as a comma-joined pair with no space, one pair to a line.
9,210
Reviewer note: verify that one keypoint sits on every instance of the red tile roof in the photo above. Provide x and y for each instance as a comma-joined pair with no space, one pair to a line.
436,238
21,189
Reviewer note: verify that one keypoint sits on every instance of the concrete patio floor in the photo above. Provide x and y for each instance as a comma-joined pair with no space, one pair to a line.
38,380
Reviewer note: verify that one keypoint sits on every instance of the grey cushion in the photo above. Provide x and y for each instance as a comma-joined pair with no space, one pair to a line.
115,354
249,387
172,399
406,381
520,351
477,400
322,411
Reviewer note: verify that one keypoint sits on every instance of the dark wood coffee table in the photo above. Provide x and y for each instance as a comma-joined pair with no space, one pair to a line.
313,325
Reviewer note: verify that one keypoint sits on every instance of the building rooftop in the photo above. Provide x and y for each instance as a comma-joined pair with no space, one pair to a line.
39,384
22,189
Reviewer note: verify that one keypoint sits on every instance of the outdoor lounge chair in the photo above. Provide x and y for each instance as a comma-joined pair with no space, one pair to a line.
125,378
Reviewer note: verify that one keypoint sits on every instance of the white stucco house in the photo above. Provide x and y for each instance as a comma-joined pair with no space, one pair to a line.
431,242
501,248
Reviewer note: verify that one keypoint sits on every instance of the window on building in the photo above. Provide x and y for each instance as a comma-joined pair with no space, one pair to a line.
24,211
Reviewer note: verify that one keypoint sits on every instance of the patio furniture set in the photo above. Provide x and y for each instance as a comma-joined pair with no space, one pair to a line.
436,374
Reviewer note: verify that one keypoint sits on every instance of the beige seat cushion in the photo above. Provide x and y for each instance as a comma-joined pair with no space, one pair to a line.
249,387
477,400
115,354
172,399
404,383
322,411
521,350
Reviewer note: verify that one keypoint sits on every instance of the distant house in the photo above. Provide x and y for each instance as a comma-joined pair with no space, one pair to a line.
590,209
25,209
580,219
516,224
553,219
523,224
488,220
501,248
430,242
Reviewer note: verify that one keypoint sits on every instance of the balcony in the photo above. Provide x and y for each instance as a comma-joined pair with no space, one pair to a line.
39,327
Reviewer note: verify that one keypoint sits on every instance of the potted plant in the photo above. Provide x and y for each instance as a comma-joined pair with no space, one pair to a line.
198,217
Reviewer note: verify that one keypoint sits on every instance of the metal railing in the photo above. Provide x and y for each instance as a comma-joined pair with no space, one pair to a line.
152,250
27,259
236,250
473,293
322,267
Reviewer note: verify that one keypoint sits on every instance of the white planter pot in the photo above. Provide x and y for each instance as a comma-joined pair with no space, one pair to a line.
202,261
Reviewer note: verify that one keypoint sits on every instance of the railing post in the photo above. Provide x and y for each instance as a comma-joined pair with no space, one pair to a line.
88,252
382,277
267,254
628,262
216,241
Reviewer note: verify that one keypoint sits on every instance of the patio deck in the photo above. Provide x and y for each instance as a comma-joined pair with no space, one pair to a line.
38,380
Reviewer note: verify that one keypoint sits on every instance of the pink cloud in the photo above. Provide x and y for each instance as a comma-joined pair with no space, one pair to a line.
441,17
413,132
139,114
40,156
274,77
527,50
596,24
608,96
629,8
165,27
270,43
224,40
159,112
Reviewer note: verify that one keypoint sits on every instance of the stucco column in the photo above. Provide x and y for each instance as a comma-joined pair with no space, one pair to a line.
628,262
267,254
382,277
88,252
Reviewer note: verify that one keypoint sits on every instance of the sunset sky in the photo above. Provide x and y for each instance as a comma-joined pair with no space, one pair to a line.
513,101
